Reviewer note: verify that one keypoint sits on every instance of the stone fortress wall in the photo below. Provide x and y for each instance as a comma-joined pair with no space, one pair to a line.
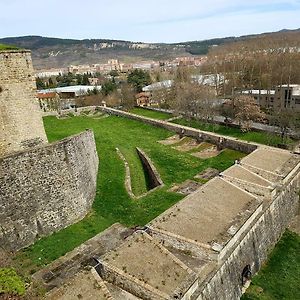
229,224
21,123
43,187
254,245
216,139
46,189
228,221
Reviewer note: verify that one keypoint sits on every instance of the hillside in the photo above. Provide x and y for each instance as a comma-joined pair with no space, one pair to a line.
55,52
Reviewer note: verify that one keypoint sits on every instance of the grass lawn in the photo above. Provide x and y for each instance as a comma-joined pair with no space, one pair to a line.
279,279
252,136
151,113
112,203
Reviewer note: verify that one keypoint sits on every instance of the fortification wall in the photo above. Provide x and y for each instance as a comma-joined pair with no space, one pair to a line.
21,124
153,174
216,139
46,189
253,247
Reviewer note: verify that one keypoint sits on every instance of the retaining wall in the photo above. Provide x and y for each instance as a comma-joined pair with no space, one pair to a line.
154,176
216,139
46,189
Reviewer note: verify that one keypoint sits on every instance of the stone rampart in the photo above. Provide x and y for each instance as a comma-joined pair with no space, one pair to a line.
21,125
45,189
253,247
216,139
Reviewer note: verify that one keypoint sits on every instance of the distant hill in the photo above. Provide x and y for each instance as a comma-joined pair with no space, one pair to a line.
56,52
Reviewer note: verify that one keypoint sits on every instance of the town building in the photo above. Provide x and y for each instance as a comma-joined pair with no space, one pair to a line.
67,96
285,96
50,73
143,99
49,101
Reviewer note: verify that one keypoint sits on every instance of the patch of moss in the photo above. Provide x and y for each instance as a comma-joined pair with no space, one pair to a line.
11,282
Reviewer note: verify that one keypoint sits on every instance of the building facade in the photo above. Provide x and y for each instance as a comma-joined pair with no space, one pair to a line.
285,96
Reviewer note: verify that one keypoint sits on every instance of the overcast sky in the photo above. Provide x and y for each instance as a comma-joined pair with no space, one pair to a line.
147,21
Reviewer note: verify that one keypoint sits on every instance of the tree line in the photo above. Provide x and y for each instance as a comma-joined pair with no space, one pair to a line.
259,63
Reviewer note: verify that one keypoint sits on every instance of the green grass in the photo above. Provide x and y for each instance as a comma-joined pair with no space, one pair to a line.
151,113
112,203
7,47
279,279
251,136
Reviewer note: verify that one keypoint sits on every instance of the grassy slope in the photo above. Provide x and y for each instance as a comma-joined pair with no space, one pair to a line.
252,136
112,203
151,113
280,277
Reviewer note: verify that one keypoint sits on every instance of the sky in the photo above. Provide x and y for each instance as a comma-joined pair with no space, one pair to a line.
146,21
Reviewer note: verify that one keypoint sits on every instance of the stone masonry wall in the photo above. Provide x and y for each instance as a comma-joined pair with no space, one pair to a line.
46,189
254,246
216,139
153,174
21,124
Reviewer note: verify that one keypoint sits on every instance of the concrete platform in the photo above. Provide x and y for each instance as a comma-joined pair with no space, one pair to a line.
143,260
207,153
206,215
272,160
171,140
85,285
61,270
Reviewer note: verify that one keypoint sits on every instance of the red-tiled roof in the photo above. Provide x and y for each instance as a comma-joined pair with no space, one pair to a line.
46,95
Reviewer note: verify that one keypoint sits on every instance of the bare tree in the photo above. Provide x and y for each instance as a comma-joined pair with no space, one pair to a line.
194,100
247,111
286,120
262,62
127,96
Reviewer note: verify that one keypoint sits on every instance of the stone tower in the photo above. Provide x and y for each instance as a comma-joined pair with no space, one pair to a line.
21,125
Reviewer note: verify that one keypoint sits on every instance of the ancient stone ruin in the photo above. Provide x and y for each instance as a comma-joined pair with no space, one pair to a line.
44,187
207,246
204,247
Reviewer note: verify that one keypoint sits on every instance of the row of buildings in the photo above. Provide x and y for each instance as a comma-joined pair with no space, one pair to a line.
116,65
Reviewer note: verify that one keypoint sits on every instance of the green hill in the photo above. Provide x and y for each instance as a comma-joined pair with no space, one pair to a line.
48,52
